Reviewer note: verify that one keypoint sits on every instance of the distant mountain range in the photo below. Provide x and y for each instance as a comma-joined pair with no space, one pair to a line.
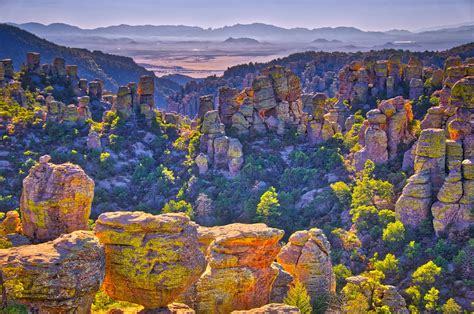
113,70
257,31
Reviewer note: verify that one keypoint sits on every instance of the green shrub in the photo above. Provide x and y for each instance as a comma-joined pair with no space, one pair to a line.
394,232
299,297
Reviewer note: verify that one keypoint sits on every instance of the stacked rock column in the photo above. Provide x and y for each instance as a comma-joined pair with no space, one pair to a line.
146,90
8,67
2,75
33,60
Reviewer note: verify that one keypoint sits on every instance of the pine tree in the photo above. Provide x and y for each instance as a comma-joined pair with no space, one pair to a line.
431,299
299,297
451,307
267,208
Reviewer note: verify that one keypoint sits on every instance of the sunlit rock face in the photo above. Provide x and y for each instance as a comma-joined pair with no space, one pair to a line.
61,276
240,272
384,130
150,259
55,200
443,181
307,258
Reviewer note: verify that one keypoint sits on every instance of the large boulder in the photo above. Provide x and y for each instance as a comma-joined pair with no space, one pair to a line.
228,105
239,275
56,199
307,258
285,83
61,276
212,123
462,93
150,259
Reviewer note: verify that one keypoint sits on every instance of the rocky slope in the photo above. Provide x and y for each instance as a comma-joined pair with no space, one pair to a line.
320,72
388,183
111,69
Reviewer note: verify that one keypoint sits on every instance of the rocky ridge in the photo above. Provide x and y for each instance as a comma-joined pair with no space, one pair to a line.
442,183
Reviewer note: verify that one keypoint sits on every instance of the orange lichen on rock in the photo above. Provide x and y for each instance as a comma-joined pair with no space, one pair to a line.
307,258
11,223
240,273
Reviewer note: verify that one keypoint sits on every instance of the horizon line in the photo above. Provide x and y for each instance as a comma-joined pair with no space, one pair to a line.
437,27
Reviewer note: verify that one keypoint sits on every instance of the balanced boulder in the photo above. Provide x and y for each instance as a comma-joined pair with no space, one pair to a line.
150,259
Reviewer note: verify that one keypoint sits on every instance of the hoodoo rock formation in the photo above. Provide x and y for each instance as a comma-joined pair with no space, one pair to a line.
11,223
361,80
217,149
385,128
307,258
239,274
56,199
150,259
272,103
443,181
304,146
61,276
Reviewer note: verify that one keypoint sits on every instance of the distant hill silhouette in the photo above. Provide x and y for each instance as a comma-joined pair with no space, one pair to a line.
257,31
242,41
326,41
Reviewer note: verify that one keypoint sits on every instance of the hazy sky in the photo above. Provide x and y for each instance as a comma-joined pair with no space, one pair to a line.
364,14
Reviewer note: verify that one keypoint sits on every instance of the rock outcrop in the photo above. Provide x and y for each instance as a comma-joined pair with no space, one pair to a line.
385,128
61,276
273,102
56,199
217,149
413,206
8,68
150,259
206,103
272,308
443,180
307,258
239,274
360,81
